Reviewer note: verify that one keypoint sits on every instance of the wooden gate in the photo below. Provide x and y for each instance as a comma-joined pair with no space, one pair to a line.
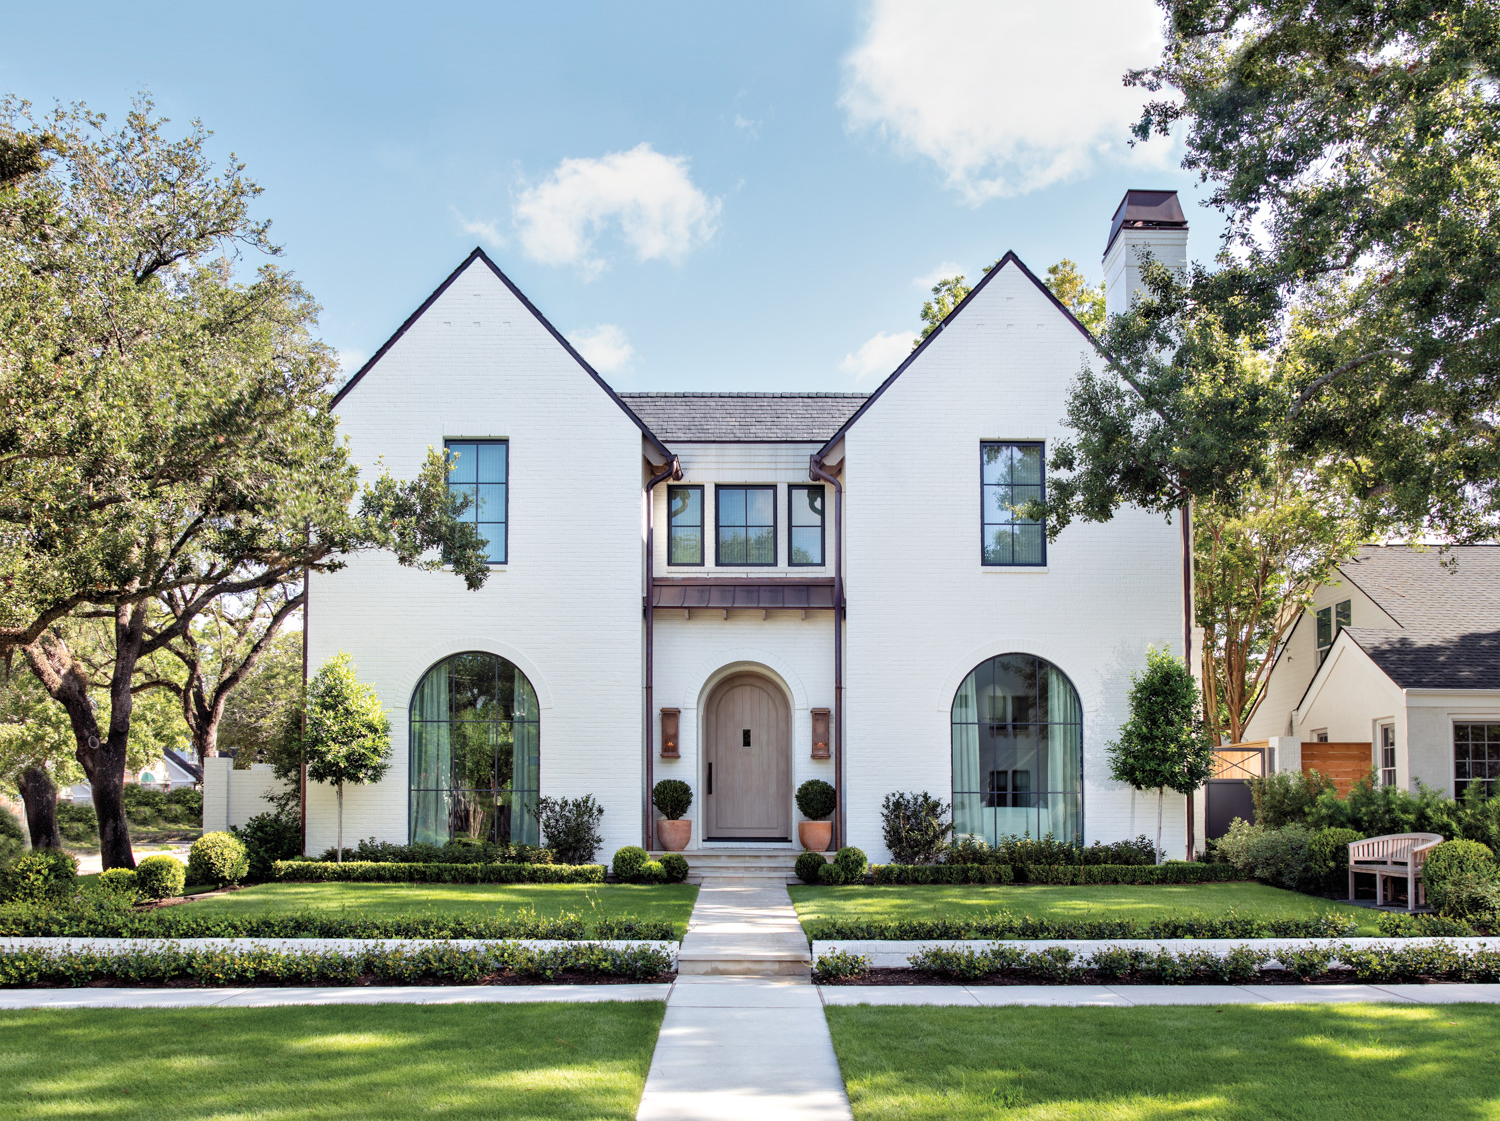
1344,763
1228,793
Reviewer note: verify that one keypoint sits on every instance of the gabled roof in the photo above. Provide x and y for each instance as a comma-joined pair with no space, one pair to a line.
770,418
184,763
1448,591
1009,259
480,255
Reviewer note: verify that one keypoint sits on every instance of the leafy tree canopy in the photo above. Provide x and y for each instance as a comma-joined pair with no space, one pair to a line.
1161,744
348,737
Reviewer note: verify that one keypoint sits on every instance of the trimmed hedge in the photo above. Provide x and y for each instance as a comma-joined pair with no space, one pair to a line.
369,872
39,874
1006,925
1067,874
426,965
160,877
218,858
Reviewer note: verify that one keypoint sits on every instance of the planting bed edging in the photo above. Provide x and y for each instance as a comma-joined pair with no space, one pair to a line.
894,955
316,945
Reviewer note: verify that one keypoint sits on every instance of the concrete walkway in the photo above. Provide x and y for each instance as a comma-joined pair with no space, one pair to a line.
744,1035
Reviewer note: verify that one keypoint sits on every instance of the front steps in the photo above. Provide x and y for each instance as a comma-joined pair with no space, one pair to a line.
744,928
746,864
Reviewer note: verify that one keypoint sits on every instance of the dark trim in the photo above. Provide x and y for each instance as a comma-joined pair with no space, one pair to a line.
476,441
702,527
1010,258
791,528
673,471
1355,560
775,536
480,255
982,523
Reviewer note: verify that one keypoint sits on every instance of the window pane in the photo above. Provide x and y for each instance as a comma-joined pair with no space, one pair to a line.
494,533
686,546
491,462
471,494
762,547
760,507
731,546
1028,544
997,505
807,506
491,506
1020,496
686,506
997,548
731,506
1325,627
1027,467
1343,613
463,465
807,546
995,462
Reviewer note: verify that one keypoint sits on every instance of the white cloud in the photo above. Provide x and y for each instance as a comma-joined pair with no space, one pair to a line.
604,347
659,212
1005,96
942,272
746,125
880,354
486,231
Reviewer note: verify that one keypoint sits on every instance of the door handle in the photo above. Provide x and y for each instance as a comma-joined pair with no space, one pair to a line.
710,778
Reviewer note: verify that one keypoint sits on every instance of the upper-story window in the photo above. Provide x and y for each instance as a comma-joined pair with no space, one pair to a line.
481,470
1010,477
805,525
684,525
1331,620
747,525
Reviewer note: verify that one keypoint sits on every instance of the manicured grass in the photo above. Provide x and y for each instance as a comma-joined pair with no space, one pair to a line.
666,902
539,1061
1045,901
1325,1062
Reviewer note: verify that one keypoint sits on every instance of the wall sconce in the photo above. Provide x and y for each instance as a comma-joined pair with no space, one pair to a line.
820,733
669,733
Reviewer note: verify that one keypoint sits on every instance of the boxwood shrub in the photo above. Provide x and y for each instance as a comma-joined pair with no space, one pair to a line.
118,883
1008,925
160,877
852,862
39,874
675,867
358,871
807,866
218,858
830,875
1173,872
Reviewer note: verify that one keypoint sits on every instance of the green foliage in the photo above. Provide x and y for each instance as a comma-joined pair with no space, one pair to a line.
1287,797
947,294
913,826
1170,872
119,883
1005,925
348,737
1084,300
1401,924
628,862
1161,744
570,826
672,797
1273,856
840,965
831,875
395,872
1473,897
456,850
807,866
1328,860
269,837
852,862
267,703
1048,850
942,873
78,824
1455,872
38,875
438,964
218,858
674,867
816,799
10,826
160,877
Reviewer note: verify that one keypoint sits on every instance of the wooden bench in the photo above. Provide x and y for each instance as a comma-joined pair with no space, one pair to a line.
1397,856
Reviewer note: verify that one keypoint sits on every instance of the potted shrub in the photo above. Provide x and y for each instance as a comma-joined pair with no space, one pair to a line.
672,797
816,800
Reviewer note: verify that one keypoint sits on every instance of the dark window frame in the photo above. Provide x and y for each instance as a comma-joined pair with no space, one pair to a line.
1388,768
1337,616
719,562
448,442
702,526
1461,784
984,561
792,527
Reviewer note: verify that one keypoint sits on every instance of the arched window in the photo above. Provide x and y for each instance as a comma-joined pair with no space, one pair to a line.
1017,751
475,752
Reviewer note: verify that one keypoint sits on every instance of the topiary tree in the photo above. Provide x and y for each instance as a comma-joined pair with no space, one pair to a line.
816,799
348,736
672,798
1162,745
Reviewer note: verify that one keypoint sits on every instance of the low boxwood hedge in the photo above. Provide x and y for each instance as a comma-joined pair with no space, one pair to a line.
1066,874
943,873
1006,924
426,965
370,872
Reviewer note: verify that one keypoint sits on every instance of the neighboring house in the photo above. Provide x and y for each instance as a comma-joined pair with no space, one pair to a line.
172,771
977,661
1401,654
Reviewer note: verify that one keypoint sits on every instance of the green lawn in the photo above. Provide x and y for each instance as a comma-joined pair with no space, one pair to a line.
668,902
1328,1062
538,1061
1045,901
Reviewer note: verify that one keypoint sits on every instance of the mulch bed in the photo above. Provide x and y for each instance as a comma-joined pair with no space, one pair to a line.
916,977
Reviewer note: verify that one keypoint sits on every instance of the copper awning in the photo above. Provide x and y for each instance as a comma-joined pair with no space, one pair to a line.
731,592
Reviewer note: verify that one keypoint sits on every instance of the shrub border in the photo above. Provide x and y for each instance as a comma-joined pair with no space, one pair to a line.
383,872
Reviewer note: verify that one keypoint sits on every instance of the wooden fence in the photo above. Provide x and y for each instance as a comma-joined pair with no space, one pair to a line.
1344,763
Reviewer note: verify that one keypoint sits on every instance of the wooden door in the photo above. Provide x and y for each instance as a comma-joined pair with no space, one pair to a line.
748,762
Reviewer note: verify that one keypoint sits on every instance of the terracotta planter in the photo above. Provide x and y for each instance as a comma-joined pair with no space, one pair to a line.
674,835
815,836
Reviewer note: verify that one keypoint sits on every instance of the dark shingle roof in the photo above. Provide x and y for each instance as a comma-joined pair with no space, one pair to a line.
744,417
1448,608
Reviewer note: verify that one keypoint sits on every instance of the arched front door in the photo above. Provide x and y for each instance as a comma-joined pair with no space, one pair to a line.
747,761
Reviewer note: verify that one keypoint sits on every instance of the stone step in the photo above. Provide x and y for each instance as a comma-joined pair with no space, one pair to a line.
744,955
747,864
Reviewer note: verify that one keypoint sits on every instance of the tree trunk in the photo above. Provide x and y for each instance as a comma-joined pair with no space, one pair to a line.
341,823
40,798
1161,794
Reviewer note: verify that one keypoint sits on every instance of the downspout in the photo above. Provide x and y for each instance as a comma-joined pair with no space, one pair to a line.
1187,638
817,474
672,471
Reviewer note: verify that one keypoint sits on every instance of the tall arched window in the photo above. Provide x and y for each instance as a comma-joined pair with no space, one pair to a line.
475,752
1017,751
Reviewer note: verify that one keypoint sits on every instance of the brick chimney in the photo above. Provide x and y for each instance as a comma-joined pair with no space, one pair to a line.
1146,220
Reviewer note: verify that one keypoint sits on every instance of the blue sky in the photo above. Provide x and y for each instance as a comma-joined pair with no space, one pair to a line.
742,196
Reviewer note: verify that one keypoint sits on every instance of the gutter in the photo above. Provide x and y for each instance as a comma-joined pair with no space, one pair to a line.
816,472
673,471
